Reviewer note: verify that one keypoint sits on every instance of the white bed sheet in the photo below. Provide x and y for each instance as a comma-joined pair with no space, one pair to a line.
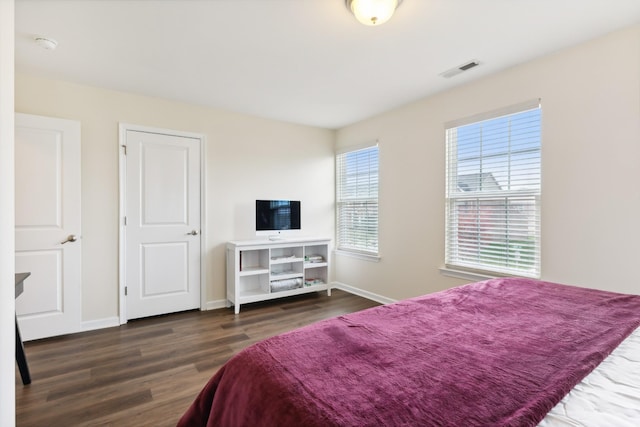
608,396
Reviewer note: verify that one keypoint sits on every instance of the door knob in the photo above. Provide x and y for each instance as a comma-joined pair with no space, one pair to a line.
70,238
193,233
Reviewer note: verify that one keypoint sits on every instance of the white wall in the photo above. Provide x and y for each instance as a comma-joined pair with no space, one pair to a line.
247,158
590,160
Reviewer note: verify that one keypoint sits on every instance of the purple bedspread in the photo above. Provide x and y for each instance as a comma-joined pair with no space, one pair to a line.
497,353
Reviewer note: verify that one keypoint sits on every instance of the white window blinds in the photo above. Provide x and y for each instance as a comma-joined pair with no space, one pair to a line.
357,200
493,192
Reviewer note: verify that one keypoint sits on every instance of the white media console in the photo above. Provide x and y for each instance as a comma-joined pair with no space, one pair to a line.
259,270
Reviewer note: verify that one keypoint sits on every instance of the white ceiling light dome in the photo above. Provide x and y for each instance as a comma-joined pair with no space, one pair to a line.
373,12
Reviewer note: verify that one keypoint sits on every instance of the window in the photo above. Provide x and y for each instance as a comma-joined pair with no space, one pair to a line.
357,200
493,192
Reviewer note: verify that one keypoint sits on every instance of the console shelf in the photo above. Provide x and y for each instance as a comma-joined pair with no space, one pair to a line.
259,270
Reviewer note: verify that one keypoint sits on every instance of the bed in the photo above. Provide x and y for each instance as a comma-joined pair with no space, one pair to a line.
501,352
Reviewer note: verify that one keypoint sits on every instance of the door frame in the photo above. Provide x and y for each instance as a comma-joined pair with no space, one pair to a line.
122,165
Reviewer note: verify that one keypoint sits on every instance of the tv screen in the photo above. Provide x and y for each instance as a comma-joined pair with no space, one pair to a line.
277,215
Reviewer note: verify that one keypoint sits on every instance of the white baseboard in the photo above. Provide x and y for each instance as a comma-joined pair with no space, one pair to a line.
362,293
213,305
107,322
110,322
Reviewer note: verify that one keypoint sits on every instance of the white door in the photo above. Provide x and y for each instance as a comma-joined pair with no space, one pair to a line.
162,231
47,213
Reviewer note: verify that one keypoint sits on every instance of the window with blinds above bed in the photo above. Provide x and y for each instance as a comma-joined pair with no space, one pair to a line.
493,187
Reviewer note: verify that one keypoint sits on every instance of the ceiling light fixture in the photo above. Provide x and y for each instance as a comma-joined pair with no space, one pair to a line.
46,43
373,12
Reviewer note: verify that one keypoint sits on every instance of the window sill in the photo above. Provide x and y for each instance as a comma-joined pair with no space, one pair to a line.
357,255
468,275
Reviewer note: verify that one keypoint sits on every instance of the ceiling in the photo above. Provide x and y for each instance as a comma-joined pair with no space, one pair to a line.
299,61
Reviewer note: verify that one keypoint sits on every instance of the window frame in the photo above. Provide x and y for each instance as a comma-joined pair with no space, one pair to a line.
371,200
454,244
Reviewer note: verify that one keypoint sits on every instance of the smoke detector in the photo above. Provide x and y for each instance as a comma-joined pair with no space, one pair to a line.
460,68
46,42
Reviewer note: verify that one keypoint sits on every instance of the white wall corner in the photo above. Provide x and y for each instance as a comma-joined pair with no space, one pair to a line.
7,230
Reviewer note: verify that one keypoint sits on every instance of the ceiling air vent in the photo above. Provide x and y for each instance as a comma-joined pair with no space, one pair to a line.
460,68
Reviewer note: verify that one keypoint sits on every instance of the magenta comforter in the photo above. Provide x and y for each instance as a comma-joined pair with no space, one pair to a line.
497,353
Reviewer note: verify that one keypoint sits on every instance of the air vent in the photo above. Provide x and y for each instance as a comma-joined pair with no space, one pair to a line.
460,68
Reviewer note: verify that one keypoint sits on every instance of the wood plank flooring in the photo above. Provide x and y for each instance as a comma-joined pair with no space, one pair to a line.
147,372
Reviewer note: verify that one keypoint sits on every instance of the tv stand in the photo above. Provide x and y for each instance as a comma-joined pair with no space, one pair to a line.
259,270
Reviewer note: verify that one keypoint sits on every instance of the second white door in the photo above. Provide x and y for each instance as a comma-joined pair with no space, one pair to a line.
162,217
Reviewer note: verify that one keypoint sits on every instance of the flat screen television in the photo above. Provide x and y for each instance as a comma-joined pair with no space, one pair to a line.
276,217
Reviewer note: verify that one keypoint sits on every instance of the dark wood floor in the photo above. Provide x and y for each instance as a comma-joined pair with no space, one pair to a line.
147,372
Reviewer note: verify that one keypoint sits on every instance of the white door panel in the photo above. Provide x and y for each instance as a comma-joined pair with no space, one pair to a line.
165,269
38,203
165,189
47,209
162,262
